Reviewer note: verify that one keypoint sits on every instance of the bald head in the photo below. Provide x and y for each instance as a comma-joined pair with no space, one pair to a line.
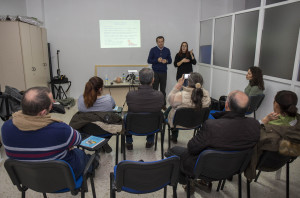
36,100
237,101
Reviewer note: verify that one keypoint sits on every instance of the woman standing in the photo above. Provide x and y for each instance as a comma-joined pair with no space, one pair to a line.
184,60
256,82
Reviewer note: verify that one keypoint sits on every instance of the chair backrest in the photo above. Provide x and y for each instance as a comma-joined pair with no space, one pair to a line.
190,117
143,123
272,161
46,177
215,165
255,102
145,177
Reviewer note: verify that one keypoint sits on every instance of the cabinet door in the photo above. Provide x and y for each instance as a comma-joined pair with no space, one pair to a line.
46,69
11,65
37,55
29,68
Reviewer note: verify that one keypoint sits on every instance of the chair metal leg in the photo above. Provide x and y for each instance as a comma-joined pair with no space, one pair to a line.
93,187
162,138
219,184
254,114
44,195
156,135
82,194
287,180
223,184
175,191
23,194
248,188
112,190
240,186
194,132
117,149
188,190
165,192
123,145
169,137
257,176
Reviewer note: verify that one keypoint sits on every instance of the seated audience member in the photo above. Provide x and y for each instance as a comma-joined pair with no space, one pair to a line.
145,99
92,100
32,135
230,131
256,82
280,130
192,96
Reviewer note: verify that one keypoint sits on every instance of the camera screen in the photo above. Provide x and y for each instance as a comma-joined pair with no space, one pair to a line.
186,76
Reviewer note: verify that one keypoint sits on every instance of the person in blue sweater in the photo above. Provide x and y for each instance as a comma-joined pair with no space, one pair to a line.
32,135
160,57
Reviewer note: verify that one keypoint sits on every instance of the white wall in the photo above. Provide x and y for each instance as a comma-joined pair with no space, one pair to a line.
13,7
73,28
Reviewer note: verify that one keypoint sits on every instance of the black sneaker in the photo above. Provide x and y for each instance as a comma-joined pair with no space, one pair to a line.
192,188
149,144
129,146
107,148
203,185
174,139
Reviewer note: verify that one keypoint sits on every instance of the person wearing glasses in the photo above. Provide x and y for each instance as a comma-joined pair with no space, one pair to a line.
160,57
184,60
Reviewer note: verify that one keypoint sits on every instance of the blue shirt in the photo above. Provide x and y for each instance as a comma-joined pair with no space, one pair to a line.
103,104
154,54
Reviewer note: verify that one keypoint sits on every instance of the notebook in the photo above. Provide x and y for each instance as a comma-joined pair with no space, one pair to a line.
92,141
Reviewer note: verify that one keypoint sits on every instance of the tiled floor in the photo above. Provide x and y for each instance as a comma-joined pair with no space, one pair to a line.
267,186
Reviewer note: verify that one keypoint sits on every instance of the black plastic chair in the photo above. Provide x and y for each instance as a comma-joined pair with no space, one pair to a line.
188,119
145,177
255,102
54,176
272,161
143,124
215,165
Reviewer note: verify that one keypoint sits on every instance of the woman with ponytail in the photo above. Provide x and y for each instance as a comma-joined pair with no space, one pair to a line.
192,96
285,109
280,130
92,98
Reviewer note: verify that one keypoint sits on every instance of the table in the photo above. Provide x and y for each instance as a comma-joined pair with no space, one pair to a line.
118,91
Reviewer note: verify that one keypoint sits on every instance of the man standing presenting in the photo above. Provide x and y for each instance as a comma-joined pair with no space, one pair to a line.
159,57
146,100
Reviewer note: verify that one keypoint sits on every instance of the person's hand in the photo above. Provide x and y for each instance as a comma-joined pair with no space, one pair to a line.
164,61
159,59
180,82
270,117
71,148
185,60
191,52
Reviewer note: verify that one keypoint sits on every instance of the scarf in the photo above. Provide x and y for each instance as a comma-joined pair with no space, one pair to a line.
31,123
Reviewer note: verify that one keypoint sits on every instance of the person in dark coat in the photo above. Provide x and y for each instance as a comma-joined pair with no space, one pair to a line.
230,131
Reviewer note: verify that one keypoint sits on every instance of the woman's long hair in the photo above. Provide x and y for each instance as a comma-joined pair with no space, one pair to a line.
187,53
92,90
287,101
195,81
257,78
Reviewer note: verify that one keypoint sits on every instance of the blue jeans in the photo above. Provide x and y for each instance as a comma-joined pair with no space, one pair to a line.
129,140
78,160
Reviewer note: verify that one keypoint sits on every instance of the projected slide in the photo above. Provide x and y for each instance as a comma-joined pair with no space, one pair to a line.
120,33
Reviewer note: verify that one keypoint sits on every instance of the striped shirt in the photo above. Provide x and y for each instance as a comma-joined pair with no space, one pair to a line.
48,143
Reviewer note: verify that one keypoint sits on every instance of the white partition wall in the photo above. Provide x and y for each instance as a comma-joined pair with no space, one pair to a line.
266,36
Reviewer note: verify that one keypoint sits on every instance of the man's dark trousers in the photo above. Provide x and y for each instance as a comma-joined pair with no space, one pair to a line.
160,79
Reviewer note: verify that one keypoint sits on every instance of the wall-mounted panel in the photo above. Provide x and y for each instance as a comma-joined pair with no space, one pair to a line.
205,41
279,40
244,42
222,37
219,83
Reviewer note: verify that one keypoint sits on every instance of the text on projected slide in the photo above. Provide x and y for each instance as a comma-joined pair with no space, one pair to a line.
120,33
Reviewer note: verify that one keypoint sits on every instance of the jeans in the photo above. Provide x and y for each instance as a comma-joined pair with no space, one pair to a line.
129,140
78,160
